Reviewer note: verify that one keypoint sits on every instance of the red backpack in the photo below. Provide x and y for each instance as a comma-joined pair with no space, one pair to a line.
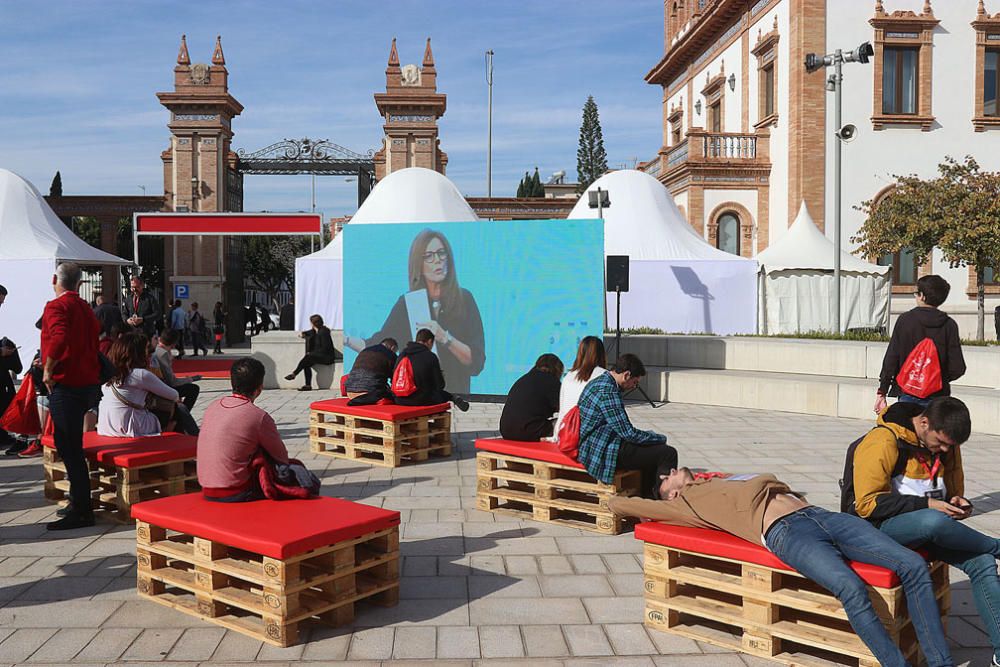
920,374
403,383
569,433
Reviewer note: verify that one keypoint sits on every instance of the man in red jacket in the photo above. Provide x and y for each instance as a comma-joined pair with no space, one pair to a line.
71,372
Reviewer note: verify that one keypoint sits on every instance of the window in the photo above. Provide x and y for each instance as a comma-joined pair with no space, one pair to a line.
728,237
990,277
991,83
715,117
904,266
904,67
766,52
675,135
899,80
767,89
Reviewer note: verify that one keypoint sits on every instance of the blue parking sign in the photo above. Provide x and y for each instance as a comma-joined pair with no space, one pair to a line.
182,291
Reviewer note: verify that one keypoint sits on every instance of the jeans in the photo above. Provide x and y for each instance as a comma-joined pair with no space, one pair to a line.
67,406
956,544
241,497
198,343
907,398
815,542
651,460
180,341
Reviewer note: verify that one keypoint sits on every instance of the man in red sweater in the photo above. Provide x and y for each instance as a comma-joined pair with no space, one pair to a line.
232,432
71,372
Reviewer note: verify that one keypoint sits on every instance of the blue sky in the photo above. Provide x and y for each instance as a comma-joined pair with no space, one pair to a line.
78,84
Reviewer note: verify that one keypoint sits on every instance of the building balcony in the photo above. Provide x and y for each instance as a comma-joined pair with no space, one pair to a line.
715,157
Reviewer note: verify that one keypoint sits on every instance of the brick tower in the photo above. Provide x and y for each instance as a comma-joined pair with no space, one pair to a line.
199,170
411,107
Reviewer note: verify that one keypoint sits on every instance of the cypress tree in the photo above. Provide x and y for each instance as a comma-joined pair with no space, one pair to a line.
537,190
55,190
591,158
520,189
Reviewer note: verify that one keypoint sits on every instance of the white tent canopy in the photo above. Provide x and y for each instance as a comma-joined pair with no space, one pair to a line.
34,241
796,284
678,282
408,195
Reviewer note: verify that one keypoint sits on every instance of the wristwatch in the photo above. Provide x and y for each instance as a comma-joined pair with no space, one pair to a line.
448,338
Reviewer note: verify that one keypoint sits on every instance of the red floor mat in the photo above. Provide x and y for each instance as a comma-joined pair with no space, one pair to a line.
206,367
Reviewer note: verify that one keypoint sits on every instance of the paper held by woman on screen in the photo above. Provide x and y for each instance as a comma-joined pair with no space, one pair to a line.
418,311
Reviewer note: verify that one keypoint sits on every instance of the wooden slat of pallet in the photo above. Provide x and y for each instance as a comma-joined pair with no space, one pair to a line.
540,510
196,576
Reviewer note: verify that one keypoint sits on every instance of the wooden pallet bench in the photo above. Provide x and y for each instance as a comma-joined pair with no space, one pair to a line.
717,588
385,435
264,568
534,480
124,471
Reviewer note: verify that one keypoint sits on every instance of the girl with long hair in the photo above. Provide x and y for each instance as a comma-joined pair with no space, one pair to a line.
591,362
123,412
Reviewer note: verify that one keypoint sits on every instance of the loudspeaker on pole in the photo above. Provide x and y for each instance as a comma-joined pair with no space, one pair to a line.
617,273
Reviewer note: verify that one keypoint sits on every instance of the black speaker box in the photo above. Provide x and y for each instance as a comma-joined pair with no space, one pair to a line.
617,273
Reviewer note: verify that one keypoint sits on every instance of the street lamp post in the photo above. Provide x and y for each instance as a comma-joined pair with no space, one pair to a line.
489,123
843,133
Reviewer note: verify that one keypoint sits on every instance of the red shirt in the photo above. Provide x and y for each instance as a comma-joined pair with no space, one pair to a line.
232,432
69,335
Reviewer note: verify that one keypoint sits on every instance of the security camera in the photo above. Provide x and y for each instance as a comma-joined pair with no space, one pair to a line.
847,132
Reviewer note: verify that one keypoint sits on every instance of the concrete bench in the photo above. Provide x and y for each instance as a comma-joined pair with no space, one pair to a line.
124,471
265,567
717,588
535,480
383,435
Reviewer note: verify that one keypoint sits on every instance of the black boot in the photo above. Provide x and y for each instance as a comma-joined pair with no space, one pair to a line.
73,520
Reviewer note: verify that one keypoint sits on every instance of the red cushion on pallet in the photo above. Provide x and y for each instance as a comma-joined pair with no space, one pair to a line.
275,528
150,451
539,451
134,452
718,543
384,412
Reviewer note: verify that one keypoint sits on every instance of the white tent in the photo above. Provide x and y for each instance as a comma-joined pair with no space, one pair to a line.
408,195
796,284
34,241
677,281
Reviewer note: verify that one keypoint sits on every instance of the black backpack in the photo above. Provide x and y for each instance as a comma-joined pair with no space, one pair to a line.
847,497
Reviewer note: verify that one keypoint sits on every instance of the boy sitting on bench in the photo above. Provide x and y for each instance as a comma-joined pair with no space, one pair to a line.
761,509
233,431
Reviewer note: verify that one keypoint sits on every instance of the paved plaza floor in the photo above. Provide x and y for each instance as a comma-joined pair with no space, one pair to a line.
476,588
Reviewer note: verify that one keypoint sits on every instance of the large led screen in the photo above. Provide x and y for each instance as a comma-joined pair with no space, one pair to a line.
498,294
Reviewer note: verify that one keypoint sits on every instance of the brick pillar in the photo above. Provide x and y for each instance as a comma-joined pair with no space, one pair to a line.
806,111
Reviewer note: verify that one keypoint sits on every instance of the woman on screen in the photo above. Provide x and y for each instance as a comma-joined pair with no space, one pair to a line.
453,314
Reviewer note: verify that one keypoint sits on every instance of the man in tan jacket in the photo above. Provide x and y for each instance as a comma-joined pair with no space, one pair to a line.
761,509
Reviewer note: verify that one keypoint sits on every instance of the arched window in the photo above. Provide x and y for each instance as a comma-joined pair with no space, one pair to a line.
728,236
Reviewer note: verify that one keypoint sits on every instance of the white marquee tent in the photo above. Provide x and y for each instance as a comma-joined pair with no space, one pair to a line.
677,281
35,240
796,284
408,195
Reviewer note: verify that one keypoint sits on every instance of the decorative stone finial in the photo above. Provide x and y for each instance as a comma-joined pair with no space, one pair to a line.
981,9
182,56
217,57
927,11
393,55
428,55
879,9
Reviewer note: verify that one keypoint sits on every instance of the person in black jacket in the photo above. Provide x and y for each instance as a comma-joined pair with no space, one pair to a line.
924,321
319,350
140,310
455,320
427,375
372,370
10,367
533,401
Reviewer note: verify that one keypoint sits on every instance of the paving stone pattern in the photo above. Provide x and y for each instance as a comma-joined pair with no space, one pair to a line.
476,588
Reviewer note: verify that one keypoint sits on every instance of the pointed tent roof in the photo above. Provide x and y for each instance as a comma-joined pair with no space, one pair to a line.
643,222
31,230
414,194
805,247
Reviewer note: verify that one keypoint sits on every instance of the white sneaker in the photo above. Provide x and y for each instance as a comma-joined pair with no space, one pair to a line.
996,663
